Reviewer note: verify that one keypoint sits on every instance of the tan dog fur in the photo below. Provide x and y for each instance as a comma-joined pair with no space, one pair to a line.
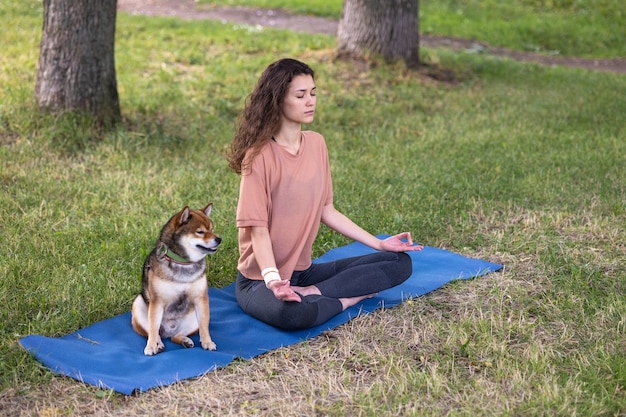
174,300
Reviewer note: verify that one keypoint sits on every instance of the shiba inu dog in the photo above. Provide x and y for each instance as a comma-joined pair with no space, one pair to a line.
174,299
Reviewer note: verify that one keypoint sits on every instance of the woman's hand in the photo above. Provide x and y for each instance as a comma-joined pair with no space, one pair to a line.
282,290
396,243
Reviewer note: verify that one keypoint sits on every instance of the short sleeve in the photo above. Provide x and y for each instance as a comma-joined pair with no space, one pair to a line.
254,196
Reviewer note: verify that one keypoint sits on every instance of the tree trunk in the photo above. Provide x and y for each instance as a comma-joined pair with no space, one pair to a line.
385,27
77,64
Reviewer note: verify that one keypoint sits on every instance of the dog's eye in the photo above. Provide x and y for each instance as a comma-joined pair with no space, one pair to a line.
200,231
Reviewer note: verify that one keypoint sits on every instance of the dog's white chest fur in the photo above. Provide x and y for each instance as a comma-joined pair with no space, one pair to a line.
181,284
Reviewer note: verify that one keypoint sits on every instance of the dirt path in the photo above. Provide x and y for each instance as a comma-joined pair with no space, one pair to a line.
276,18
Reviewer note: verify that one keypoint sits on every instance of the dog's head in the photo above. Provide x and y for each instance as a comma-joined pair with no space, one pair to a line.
191,232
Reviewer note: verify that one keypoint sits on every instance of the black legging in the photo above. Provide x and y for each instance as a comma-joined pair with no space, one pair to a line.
350,277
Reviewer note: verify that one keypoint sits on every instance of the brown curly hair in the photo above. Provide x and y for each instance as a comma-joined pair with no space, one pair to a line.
261,116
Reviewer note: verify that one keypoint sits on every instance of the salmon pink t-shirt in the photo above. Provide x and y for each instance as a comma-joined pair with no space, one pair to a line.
285,193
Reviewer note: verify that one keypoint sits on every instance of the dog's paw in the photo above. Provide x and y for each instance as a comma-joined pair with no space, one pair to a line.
154,348
186,342
208,345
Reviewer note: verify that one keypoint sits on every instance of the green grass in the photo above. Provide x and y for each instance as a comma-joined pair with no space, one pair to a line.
521,164
563,27
324,8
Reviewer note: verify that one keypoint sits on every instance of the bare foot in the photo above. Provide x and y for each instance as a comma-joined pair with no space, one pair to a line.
304,291
349,302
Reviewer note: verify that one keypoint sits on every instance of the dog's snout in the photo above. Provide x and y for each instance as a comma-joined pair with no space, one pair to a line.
218,240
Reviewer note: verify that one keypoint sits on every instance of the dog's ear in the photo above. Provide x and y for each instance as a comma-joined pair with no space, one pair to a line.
207,209
183,216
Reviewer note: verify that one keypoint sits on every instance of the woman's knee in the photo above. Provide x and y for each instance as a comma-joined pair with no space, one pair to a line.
404,267
295,315
406,261
312,311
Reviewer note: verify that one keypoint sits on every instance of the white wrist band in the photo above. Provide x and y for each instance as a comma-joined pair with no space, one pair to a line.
269,275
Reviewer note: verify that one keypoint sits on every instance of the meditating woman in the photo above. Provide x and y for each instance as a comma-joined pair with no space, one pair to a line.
285,192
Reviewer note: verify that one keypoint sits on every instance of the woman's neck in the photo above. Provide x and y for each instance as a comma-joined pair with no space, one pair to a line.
289,138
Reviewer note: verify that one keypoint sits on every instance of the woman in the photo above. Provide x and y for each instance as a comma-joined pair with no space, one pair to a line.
285,191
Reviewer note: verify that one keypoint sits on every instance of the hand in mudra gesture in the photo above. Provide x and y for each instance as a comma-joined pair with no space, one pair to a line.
402,242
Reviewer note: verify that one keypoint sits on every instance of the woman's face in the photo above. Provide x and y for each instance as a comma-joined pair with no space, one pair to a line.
299,103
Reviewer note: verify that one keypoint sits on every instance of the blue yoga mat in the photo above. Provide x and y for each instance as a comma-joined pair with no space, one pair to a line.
109,354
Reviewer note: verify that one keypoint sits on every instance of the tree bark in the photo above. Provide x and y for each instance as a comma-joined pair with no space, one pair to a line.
76,69
386,27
